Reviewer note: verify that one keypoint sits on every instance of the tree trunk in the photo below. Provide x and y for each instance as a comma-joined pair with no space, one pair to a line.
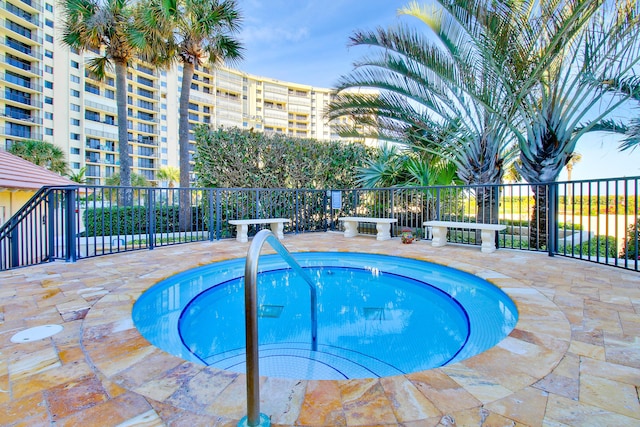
183,137
486,207
539,218
125,196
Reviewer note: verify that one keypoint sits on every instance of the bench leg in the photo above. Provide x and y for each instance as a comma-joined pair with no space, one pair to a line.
384,231
439,236
350,228
277,228
242,234
488,241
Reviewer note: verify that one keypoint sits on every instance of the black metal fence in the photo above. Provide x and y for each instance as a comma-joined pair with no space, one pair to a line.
591,220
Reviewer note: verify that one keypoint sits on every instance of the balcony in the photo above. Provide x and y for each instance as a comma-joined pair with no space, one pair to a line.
21,48
22,14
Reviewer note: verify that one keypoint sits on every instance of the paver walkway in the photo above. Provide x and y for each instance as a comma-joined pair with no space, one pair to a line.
573,359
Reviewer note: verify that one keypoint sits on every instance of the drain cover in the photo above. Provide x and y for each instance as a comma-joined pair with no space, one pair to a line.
36,333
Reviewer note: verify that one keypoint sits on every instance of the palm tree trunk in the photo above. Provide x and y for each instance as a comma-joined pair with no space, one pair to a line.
486,207
539,218
123,137
183,137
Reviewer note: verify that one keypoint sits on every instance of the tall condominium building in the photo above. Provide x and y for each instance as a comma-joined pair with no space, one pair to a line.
48,94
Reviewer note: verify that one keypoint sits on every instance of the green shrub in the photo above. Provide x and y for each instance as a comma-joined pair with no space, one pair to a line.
631,249
116,220
604,246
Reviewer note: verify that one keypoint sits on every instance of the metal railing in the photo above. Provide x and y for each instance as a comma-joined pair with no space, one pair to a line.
594,220
254,417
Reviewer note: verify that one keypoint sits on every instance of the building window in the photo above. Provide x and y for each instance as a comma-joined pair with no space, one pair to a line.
110,120
48,131
48,84
48,115
110,81
75,107
48,53
92,115
75,136
75,64
91,88
75,165
48,100
48,69
49,7
49,38
75,150
74,79
108,93
75,93
48,23
75,122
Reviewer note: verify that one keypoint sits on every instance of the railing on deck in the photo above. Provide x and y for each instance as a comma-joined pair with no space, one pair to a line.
591,220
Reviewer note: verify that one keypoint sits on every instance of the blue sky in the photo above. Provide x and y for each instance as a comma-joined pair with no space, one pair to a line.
306,41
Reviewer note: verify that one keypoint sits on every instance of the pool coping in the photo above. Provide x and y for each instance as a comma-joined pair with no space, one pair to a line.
531,351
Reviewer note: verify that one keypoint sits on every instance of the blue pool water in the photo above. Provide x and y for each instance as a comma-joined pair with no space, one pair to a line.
377,316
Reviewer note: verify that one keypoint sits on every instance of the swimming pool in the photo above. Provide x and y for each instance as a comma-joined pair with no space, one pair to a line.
378,315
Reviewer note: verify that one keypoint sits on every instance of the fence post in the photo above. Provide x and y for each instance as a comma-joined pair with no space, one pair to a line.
257,203
552,218
296,214
50,223
218,214
70,241
151,218
437,204
14,250
211,224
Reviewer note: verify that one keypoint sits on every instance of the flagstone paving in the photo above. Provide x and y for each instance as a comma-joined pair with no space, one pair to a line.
572,360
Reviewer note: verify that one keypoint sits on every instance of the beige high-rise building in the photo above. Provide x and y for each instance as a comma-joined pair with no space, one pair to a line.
47,94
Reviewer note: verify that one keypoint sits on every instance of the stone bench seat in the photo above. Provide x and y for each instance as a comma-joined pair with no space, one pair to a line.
383,225
277,227
487,235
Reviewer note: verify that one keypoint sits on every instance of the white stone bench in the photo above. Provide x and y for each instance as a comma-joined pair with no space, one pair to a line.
487,235
277,227
383,225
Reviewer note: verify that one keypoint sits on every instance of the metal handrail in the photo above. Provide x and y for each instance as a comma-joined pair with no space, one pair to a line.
254,418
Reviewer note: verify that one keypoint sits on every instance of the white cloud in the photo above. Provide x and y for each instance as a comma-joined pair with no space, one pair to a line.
267,34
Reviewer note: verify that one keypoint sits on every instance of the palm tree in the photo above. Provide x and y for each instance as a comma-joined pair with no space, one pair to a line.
573,159
40,153
601,45
436,87
631,88
94,24
114,180
171,174
79,176
197,32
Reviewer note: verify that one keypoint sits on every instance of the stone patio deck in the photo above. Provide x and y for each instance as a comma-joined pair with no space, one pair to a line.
573,359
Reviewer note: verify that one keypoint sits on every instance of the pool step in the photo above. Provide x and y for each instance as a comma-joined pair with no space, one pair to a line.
296,360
